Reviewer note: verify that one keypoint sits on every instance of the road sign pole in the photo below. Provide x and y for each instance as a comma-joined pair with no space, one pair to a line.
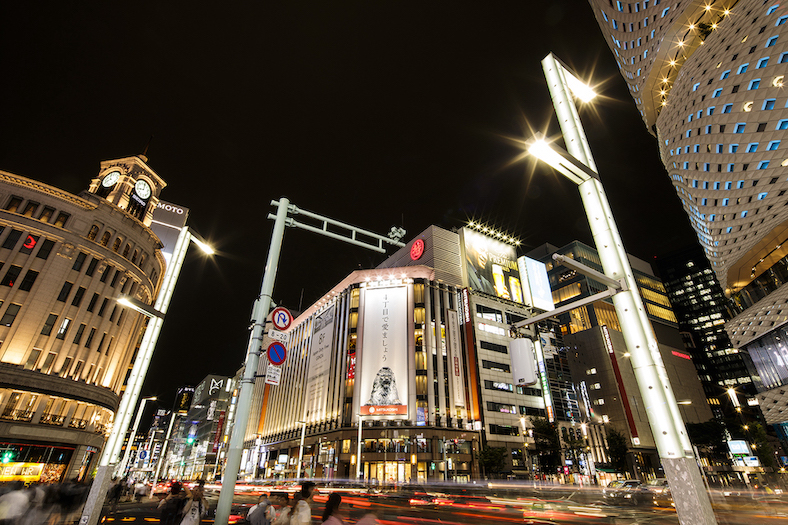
261,307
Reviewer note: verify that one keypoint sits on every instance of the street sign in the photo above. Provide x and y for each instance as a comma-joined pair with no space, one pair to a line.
281,317
276,335
143,454
277,353
272,374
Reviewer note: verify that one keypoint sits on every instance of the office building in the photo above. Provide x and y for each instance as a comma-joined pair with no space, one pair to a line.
420,351
707,78
65,344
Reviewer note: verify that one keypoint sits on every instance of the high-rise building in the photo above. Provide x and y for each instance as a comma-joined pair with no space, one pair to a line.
598,357
66,343
707,78
702,310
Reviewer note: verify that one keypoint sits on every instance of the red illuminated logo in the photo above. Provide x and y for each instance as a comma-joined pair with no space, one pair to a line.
417,250
681,355
30,242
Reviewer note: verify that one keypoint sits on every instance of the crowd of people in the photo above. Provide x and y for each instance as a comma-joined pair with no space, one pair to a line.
41,504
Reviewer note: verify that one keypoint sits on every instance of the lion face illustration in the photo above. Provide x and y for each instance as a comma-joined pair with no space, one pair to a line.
384,389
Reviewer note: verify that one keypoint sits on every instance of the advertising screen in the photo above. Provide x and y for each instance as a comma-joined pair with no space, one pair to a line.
490,266
455,359
317,387
168,219
536,284
384,353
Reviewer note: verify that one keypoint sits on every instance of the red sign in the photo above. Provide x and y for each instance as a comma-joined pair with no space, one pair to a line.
417,250
681,355
277,353
281,318
219,428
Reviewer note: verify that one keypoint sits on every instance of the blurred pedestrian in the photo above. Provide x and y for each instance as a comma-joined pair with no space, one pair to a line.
195,508
113,495
368,519
302,511
281,502
140,489
331,512
172,506
14,504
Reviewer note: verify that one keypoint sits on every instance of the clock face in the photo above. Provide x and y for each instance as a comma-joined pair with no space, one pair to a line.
110,179
142,189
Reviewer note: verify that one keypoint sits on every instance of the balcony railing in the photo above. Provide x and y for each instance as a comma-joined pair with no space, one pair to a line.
51,419
78,423
18,415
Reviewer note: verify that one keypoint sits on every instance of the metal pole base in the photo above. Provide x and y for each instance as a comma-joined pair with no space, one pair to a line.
98,493
693,506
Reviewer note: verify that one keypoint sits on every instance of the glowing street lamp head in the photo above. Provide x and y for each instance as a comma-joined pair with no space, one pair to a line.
205,247
581,90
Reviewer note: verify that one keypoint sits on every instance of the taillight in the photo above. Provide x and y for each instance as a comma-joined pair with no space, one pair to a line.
234,518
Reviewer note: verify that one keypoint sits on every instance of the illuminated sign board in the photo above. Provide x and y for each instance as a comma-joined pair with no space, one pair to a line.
490,266
738,446
168,220
26,472
536,284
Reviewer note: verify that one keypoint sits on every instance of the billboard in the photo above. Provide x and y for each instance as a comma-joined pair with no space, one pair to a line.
213,386
168,220
183,400
455,359
384,353
523,361
490,266
536,284
317,377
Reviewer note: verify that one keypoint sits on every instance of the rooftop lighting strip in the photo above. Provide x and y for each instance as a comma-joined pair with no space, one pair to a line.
495,234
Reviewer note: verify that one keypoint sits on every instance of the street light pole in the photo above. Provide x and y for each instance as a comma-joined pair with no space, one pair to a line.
301,449
163,451
693,505
109,455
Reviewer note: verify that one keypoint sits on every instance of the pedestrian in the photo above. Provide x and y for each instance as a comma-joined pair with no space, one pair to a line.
172,506
195,508
263,513
114,495
331,512
140,489
14,504
368,519
302,512
281,502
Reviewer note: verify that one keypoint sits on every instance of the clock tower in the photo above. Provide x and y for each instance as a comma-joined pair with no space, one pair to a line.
129,184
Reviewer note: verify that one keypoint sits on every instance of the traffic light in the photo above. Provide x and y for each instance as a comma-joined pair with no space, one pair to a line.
8,456
190,440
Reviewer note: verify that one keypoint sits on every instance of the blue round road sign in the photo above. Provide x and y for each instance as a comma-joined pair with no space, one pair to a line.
277,353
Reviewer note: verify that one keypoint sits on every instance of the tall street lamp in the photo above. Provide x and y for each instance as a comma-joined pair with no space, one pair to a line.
110,454
127,453
673,445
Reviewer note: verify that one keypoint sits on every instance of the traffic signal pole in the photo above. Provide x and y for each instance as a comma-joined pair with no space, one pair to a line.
262,306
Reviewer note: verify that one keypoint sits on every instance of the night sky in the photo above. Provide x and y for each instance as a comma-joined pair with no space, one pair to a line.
373,113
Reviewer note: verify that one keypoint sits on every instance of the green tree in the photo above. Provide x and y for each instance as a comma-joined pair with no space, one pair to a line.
548,444
617,449
492,460
760,442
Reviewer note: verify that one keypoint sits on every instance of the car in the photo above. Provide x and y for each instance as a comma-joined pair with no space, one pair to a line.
623,491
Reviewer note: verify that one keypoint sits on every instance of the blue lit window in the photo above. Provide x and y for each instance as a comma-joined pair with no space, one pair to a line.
732,148
710,111
772,9
740,185
695,183
712,217
686,149
752,147
696,148
728,185
762,62
717,185
744,213
696,86
686,167
689,132
768,103
604,15
727,108
706,168
725,202
719,148
781,20
717,93
783,124
689,118
762,165
771,41
754,83
708,129
773,145
671,153
700,114
703,202
784,57
729,229
725,74
730,168
742,68
615,25
739,128
664,12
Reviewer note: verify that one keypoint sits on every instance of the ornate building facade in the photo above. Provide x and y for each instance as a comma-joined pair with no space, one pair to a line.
66,345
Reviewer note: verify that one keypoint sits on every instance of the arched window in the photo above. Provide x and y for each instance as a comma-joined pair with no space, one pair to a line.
116,245
105,238
126,250
93,232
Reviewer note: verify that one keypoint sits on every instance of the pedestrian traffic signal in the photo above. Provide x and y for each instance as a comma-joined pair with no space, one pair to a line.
8,456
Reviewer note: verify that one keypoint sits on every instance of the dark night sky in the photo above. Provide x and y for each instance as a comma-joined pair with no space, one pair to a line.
372,113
